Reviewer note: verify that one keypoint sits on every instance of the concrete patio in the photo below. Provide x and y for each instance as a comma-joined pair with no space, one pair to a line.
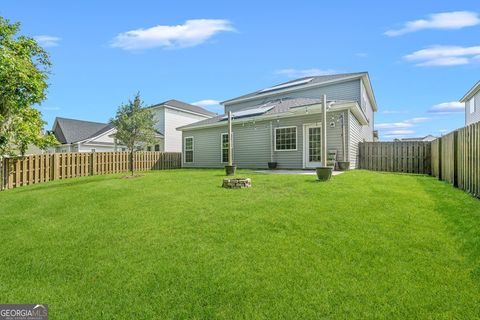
305,172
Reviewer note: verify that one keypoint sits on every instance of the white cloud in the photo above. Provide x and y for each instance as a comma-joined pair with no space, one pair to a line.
444,56
47,41
448,107
189,34
300,73
399,133
445,20
393,125
418,120
361,54
393,111
206,103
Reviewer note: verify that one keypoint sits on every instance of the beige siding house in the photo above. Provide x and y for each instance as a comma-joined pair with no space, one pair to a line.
282,124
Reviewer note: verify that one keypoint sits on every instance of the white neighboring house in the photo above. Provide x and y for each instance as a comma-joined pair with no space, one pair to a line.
472,104
83,136
170,115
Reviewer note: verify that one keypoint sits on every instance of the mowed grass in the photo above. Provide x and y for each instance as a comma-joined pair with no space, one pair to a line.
174,244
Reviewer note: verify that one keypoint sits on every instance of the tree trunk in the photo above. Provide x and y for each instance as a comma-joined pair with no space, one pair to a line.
131,161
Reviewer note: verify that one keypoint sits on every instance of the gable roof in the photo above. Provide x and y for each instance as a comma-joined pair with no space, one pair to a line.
279,107
72,130
473,91
306,82
176,104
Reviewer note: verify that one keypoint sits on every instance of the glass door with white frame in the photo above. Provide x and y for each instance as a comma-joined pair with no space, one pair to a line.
313,145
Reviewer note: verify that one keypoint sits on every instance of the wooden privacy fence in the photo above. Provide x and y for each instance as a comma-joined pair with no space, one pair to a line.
402,156
456,158
21,171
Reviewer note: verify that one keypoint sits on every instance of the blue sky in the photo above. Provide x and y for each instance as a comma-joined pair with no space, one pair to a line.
422,56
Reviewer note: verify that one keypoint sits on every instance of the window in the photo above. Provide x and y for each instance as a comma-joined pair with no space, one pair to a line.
149,148
472,105
285,138
157,147
93,150
224,147
188,152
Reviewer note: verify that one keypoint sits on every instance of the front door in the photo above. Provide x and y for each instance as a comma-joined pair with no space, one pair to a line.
312,145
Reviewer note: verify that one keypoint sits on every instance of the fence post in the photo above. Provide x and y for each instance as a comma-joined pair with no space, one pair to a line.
55,166
440,158
455,160
93,164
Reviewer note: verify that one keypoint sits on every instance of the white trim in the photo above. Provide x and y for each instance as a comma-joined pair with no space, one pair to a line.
221,146
275,139
471,104
97,136
185,149
305,142
473,91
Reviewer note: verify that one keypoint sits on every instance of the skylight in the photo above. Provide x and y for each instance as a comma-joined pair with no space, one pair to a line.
286,85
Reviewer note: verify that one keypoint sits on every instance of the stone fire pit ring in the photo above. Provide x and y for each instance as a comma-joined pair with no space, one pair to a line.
237,183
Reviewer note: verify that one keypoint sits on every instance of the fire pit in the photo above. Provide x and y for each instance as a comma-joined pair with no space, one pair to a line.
237,183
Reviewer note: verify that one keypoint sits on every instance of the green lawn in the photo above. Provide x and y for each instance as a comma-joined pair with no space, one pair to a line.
173,244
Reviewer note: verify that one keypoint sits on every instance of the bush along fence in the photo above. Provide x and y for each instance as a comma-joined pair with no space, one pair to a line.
456,158
22,171
402,156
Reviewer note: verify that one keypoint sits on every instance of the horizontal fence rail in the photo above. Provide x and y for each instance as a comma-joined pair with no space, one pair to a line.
22,171
456,158
401,156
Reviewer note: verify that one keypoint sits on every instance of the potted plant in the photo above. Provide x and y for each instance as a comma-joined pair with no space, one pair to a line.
343,165
272,165
230,170
324,173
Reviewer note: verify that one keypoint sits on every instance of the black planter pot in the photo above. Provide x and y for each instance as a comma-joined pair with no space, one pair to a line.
343,165
272,165
324,173
230,170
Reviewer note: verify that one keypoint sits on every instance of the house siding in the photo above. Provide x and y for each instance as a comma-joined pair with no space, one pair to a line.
349,90
253,142
475,116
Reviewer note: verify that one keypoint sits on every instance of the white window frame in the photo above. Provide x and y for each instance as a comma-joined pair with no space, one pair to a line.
185,149
275,139
221,146
472,105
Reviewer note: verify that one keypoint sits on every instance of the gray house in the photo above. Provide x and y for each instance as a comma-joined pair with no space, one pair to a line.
472,104
282,124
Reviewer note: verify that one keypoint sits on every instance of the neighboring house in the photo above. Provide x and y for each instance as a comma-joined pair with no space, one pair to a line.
472,104
282,124
170,115
426,138
83,136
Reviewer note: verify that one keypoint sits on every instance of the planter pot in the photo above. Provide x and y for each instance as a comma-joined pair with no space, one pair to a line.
272,165
230,170
324,173
343,165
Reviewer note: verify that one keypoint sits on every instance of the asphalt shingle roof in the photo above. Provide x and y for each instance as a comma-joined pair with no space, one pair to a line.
185,106
73,130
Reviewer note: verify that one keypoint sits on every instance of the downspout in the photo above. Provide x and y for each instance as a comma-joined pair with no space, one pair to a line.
271,141
230,140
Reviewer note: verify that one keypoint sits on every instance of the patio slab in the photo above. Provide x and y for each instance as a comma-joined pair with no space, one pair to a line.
305,172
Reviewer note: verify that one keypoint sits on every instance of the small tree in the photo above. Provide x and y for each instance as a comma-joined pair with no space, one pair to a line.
24,67
134,126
